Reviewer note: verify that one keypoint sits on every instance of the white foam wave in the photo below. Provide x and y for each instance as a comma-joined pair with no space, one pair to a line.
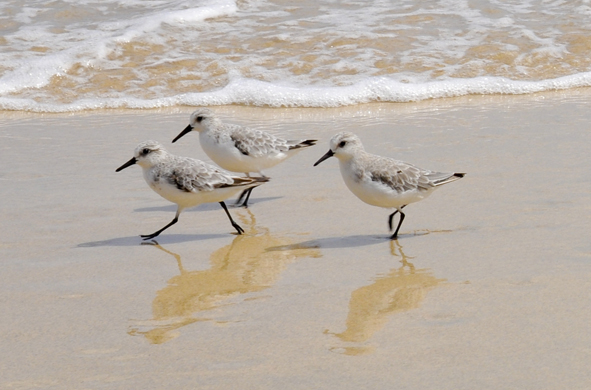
176,18
89,44
259,93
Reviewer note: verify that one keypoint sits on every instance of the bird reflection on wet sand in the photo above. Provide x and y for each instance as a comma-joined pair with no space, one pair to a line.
370,306
242,267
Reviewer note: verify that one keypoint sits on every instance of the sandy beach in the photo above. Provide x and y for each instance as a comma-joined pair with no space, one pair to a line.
488,286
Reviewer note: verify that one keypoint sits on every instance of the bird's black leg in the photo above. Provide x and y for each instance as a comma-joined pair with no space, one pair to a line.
247,193
241,196
402,215
392,216
236,226
148,236
395,235
390,219
245,204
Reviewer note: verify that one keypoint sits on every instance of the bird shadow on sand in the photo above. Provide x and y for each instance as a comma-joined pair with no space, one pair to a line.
205,206
167,239
344,242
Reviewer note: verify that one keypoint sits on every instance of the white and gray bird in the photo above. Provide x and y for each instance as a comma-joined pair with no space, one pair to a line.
238,148
187,182
382,181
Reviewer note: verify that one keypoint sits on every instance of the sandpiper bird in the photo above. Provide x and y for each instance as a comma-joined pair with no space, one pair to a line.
186,181
381,181
240,149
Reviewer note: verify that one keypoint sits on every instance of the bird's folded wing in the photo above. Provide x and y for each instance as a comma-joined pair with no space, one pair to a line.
256,143
398,175
193,176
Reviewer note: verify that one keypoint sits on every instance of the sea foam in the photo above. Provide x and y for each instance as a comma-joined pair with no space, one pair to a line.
86,45
149,54
245,91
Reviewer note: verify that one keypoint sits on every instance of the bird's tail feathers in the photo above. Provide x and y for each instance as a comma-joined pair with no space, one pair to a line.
249,181
438,181
303,144
261,179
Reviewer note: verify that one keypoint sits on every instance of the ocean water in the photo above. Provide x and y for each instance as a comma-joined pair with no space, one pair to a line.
71,55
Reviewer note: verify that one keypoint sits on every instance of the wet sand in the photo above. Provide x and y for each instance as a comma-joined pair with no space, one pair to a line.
488,286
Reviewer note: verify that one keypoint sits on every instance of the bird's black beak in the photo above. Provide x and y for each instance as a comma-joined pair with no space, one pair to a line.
328,154
127,164
187,130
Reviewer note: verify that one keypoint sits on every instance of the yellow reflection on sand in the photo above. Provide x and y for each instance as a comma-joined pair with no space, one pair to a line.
242,267
402,289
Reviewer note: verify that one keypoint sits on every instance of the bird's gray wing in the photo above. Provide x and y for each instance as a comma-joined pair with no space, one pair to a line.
398,175
256,143
192,175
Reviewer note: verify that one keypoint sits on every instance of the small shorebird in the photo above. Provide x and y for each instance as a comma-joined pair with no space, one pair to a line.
381,181
240,149
186,181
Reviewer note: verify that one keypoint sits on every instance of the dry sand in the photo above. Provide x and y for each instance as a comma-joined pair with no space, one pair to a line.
488,287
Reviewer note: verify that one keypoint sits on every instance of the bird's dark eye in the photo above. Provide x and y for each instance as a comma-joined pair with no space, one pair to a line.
199,118
145,151
343,143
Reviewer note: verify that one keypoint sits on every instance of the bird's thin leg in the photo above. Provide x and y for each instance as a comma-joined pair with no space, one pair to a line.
399,224
245,204
247,193
155,234
241,196
392,216
390,219
236,226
